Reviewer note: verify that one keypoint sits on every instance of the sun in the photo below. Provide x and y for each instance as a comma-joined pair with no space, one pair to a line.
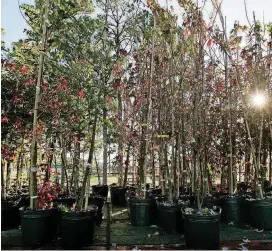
259,99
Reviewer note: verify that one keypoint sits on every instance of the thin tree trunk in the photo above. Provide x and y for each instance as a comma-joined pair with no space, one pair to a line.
3,183
19,166
86,180
33,161
170,187
105,148
19,171
270,163
9,165
126,166
64,174
146,136
97,169
76,166
247,164
162,169
153,170
133,170
120,143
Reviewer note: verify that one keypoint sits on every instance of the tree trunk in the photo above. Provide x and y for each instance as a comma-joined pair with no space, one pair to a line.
162,169
64,175
105,148
120,143
86,180
3,183
247,166
270,164
153,170
20,164
9,166
126,166
33,161
76,166
97,169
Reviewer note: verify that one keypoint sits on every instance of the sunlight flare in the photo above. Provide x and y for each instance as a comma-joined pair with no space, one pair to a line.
259,99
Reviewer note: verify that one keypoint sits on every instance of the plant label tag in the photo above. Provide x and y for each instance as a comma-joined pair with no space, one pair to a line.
33,169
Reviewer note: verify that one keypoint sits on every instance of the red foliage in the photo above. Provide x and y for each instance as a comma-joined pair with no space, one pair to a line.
30,82
47,193
80,93
11,67
4,120
108,100
45,88
210,28
123,52
24,70
210,42
17,124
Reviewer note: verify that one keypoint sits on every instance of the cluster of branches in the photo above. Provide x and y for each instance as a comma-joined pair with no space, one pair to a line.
166,92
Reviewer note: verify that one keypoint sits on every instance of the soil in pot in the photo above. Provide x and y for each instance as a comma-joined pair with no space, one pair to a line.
38,227
202,229
118,196
232,209
101,190
260,214
77,228
141,212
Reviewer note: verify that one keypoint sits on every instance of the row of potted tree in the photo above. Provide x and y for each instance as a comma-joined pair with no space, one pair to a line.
180,98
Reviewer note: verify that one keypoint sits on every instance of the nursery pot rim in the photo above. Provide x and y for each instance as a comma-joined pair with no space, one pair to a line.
199,216
133,199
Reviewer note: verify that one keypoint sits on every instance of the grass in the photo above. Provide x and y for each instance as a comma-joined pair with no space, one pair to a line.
111,179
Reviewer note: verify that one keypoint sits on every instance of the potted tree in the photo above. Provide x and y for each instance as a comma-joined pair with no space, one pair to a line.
77,226
39,225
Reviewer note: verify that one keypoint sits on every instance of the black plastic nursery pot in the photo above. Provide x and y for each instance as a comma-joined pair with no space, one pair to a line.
10,216
38,227
232,210
212,201
245,210
260,215
99,202
118,196
202,231
141,212
101,190
77,229
155,219
65,201
171,219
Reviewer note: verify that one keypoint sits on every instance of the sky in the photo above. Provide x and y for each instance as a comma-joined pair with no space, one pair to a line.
14,24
